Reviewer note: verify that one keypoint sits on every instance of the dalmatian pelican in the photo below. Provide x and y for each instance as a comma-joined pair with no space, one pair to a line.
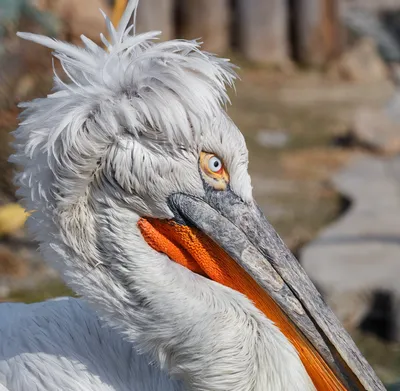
140,197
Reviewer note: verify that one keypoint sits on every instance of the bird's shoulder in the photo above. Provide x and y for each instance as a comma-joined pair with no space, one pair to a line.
63,345
64,318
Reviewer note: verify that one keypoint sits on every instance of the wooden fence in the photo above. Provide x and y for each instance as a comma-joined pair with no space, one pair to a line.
270,32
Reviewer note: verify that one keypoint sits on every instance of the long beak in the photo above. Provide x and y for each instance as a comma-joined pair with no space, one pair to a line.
235,235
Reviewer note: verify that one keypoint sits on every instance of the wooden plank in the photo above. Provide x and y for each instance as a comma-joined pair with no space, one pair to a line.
262,30
208,20
318,33
156,15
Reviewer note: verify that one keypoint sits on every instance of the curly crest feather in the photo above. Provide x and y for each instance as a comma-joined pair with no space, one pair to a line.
135,89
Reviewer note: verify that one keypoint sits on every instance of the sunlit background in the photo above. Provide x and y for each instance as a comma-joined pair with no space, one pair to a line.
319,105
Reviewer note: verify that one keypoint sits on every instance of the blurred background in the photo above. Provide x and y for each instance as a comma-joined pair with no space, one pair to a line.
319,104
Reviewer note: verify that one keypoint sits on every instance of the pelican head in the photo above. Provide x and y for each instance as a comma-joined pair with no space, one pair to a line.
138,183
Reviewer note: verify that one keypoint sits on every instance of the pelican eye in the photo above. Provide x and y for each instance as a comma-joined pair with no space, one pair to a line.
213,171
215,164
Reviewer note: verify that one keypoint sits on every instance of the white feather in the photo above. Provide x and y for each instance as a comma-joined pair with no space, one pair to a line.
130,10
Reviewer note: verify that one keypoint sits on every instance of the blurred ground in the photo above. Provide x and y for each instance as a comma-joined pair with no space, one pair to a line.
294,123
292,182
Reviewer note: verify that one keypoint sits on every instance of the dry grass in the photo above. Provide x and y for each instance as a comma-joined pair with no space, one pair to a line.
10,265
8,122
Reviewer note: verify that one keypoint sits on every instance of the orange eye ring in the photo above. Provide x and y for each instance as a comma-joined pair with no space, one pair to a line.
213,171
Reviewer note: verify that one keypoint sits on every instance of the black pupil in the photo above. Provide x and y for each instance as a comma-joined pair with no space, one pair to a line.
216,163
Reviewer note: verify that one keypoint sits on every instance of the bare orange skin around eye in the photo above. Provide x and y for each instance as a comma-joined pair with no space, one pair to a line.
218,180
196,251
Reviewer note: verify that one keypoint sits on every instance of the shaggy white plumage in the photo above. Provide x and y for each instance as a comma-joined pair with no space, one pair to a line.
62,345
108,146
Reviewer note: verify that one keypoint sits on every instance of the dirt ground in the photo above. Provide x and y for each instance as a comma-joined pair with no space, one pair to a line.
291,183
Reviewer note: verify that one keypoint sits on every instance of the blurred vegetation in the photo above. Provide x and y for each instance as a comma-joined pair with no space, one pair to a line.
44,292
13,11
12,218
383,356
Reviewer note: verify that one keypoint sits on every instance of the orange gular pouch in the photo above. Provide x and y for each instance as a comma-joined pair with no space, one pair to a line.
194,250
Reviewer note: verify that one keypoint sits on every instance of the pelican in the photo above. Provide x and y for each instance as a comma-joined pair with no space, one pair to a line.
137,184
